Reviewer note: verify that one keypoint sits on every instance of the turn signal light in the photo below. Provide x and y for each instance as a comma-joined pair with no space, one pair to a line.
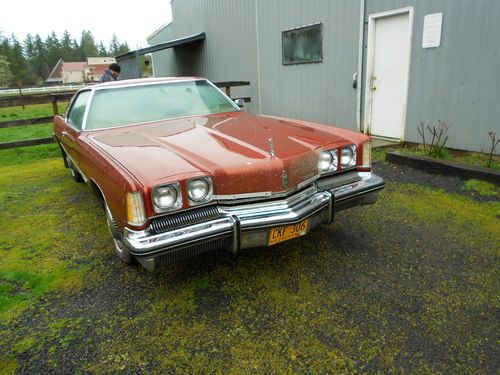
135,209
367,155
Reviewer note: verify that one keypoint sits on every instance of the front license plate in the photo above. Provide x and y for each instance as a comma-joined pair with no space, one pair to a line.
287,232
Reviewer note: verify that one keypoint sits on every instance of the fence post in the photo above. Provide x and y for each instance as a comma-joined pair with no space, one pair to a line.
54,105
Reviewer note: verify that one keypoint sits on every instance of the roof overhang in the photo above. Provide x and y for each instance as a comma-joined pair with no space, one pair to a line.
158,47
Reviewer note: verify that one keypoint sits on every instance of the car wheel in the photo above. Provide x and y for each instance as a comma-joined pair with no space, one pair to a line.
120,249
76,176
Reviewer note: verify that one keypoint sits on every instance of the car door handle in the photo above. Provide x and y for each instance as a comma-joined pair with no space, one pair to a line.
64,133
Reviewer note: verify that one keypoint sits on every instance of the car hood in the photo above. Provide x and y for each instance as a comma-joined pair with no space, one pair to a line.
243,153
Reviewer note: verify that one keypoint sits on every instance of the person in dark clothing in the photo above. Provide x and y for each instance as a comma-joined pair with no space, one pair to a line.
111,74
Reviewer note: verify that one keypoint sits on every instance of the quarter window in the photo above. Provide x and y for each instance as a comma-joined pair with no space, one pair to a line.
75,117
303,45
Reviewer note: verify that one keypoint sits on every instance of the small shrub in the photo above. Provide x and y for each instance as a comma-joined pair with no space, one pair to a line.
438,139
494,143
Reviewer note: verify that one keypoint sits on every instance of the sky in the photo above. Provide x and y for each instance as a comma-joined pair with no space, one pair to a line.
132,22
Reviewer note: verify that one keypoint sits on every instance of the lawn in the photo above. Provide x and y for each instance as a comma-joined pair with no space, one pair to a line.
19,133
30,111
405,286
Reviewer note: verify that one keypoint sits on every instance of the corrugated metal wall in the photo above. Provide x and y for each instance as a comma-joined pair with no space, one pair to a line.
320,91
458,82
162,60
228,52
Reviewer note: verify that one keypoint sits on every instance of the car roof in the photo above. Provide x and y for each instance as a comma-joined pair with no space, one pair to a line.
142,81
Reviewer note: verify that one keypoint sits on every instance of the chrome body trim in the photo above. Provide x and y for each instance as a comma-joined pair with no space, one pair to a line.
247,225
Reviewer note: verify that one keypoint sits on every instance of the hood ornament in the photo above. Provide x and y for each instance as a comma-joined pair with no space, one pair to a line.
284,179
271,148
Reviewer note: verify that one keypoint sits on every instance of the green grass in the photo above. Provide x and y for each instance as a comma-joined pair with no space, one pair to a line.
35,255
27,155
483,187
30,111
19,133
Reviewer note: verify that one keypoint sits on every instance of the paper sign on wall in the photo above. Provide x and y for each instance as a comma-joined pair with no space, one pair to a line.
431,36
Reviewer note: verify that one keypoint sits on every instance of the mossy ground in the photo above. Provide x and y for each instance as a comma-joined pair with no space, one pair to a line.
409,285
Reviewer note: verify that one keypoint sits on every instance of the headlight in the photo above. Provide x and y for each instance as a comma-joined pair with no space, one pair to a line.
325,161
328,161
348,156
167,197
199,190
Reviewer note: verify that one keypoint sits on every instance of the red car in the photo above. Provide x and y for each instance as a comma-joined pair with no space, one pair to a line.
181,169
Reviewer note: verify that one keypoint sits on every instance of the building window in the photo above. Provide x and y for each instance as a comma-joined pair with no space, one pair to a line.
303,44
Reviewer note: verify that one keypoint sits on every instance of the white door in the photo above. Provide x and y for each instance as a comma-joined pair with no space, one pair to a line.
389,43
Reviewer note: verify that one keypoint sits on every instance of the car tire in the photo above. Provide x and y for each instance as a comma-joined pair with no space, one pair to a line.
120,249
76,176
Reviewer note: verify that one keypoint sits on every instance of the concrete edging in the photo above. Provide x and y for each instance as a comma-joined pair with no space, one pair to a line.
445,167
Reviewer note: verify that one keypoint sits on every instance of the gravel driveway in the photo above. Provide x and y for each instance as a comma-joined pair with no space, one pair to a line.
407,285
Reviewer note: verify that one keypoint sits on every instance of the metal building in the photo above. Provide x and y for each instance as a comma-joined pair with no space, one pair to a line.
378,66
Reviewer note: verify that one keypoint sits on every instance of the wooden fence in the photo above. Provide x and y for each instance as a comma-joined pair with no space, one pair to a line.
23,100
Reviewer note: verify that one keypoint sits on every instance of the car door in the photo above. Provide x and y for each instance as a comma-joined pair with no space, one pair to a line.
71,132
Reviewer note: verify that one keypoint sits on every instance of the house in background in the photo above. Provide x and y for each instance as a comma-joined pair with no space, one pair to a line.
79,71
382,67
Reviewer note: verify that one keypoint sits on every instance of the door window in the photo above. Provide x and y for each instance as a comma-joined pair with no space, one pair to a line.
75,116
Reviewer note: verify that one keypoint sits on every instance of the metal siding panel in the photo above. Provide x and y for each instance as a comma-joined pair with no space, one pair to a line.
458,82
318,92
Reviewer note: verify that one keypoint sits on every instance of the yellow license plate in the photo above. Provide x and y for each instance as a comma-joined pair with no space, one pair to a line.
287,232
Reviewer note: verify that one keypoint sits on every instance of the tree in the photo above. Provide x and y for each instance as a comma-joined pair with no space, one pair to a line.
40,62
29,53
17,62
101,50
116,48
5,73
88,47
53,47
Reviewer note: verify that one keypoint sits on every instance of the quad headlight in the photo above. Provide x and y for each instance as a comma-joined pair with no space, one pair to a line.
199,190
348,156
328,161
167,197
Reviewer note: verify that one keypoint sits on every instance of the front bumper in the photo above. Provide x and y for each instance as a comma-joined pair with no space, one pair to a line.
237,227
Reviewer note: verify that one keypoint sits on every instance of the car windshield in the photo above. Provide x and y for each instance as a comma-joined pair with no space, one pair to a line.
152,102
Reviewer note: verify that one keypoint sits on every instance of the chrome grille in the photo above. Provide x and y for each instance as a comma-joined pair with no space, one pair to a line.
190,251
163,224
333,182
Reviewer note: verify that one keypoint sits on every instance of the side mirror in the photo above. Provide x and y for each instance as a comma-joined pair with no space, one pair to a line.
240,103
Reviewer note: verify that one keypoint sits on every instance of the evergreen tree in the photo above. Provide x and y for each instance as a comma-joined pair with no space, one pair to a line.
5,73
102,50
29,53
40,60
17,63
88,47
116,48
53,47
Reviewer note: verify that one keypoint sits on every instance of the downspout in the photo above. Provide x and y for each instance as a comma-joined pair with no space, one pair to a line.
361,50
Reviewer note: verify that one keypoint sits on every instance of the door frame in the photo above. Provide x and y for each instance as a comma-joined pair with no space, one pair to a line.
370,60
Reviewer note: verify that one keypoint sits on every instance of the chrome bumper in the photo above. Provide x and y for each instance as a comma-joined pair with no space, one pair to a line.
248,225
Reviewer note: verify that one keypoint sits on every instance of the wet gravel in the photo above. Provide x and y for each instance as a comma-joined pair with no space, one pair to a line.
123,290
450,184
